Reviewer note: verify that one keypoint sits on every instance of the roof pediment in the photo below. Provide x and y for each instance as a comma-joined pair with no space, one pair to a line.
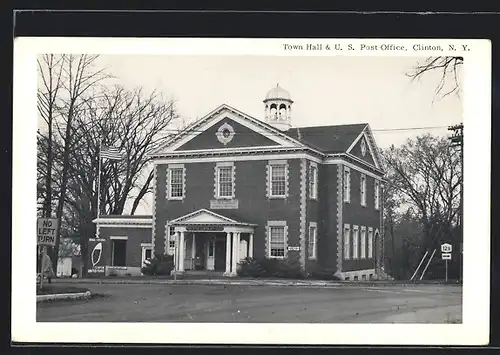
226,128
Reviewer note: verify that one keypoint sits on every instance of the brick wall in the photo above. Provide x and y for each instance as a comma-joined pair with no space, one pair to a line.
136,236
250,191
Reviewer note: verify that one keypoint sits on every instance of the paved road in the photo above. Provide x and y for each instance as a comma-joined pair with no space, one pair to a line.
261,304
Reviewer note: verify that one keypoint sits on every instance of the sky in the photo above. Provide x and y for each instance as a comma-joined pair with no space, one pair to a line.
326,90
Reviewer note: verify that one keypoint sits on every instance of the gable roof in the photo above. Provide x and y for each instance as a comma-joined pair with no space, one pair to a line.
328,139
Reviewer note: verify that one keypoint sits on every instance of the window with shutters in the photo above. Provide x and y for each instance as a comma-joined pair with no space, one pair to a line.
363,189
313,182
347,184
312,241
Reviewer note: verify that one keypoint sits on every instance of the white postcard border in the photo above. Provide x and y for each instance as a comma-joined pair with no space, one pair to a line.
477,117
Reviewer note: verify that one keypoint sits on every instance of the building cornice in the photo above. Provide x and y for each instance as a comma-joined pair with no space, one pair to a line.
146,222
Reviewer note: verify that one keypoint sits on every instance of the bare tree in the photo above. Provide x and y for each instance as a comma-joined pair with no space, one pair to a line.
447,67
131,120
426,175
65,80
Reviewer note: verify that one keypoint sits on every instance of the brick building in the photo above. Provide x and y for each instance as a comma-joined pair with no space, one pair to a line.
232,186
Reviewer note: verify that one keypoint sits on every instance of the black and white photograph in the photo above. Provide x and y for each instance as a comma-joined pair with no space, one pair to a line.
227,185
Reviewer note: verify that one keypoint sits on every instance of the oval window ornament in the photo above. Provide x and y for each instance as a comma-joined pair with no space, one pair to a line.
225,133
363,147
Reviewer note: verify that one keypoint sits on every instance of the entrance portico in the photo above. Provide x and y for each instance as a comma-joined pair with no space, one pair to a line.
205,240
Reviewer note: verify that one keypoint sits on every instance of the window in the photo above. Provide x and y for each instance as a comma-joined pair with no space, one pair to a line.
363,242
355,238
225,183
277,239
347,242
363,277
347,184
313,182
356,278
278,180
147,251
363,189
370,242
119,252
312,241
377,194
176,182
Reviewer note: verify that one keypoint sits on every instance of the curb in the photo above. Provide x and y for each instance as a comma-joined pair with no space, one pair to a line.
246,283
64,296
205,282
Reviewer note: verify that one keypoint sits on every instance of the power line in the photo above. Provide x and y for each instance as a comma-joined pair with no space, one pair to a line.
194,131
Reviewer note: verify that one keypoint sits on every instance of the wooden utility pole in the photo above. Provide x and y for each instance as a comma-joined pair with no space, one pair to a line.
457,140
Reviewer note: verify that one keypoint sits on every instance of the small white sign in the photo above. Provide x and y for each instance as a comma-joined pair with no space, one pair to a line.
446,256
293,248
446,248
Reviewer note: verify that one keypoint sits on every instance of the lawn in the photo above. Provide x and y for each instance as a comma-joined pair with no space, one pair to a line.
51,289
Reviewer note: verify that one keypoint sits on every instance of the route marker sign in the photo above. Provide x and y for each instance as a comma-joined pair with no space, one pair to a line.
446,248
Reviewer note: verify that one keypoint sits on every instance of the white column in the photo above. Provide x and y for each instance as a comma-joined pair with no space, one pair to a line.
250,245
228,253
236,246
193,251
181,252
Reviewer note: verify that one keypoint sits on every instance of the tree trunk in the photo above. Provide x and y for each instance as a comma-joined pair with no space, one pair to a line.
64,182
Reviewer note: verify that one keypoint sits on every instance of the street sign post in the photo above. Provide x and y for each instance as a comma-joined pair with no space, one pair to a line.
446,249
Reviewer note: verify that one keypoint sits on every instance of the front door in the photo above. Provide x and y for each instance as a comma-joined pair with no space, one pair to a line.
220,255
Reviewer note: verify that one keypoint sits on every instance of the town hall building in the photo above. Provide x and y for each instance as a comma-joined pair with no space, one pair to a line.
232,186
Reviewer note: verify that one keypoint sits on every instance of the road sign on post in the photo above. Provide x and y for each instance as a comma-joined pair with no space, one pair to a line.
46,231
446,249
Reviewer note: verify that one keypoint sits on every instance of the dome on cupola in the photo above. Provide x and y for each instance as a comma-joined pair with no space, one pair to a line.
278,93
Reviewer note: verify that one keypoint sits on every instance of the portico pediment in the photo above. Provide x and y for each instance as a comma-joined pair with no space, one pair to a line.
204,216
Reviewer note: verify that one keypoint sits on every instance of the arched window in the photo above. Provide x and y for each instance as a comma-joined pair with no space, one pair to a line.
274,111
282,111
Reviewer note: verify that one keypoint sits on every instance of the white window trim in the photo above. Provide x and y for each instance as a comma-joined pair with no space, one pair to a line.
362,189
169,182
376,194
369,252
313,190
347,243
315,238
362,243
216,180
268,238
355,242
346,184
269,185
